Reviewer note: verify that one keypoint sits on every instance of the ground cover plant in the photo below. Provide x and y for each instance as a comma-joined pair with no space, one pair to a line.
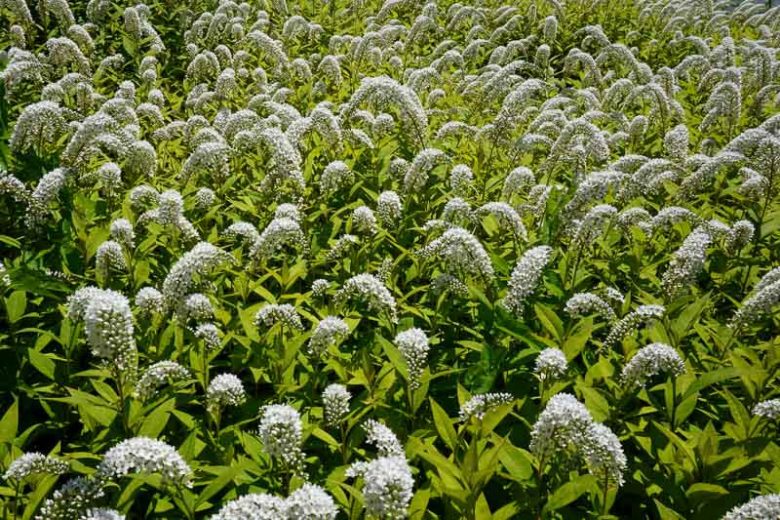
338,259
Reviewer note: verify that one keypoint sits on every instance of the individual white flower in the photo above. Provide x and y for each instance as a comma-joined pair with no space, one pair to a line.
225,390
582,304
149,301
145,455
281,431
108,323
368,289
765,296
449,283
760,508
740,234
102,513
185,275
279,233
255,506
275,313
157,375
319,287
461,254
342,247
243,231
122,231
310,502
632,320
517,180
290,211
676,142
769,409
196,307
386,442
335,401
171,208
416,177
387,486
110,176
687,262
413,345
457,212
562,426
591,226
526,277
389,209
34,463
604,455
363,220
336,176
209,334
204,198
212,159
551,364
5,278
71,500
143,197
109,255
39,123
507,218
478,405
649,361
461,179
385,92
330,331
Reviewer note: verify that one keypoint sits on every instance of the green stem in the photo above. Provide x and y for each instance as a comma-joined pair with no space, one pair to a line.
120,387
674,402
16,498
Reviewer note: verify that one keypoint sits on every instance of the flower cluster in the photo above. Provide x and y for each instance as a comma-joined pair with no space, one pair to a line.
281,431
34,463
225,390
649,361
565,426
145,455
478,405
414,347
335,400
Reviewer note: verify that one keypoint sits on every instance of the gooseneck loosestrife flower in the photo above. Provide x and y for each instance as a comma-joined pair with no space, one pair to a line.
335,401
566,427
526,277
251,207
761,507
281,431
34,463
414,346
145,455
108,322
650,361
387,480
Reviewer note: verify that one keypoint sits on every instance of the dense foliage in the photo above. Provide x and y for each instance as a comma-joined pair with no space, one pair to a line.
351,259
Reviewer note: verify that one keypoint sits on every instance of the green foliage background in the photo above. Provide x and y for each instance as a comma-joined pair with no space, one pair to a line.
693,446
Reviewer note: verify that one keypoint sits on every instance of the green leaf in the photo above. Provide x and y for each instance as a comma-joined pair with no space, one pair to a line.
701,492
155,422
10,422
550,321
224,476
42,363
710,378
16,304
444,425
569,492
517,462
